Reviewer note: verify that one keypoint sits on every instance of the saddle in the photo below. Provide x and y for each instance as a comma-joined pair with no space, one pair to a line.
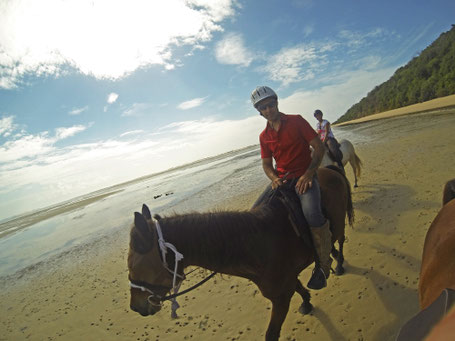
285,195
418,327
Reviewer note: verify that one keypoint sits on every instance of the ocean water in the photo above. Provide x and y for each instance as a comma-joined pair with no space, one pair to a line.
35,237
38,236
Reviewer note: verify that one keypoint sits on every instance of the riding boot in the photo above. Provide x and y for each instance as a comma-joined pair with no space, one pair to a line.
322,240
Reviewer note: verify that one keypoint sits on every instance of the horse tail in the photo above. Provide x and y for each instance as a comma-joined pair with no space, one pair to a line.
358,165
449,192
350,206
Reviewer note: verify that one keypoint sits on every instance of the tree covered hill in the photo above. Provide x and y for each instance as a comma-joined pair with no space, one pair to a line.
427,76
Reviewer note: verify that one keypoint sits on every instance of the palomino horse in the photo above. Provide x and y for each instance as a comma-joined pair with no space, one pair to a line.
437,271
349,155
259,244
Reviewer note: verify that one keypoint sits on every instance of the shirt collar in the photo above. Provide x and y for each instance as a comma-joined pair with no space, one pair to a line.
283,118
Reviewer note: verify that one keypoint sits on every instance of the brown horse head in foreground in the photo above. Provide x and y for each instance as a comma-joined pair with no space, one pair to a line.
259,244
437,271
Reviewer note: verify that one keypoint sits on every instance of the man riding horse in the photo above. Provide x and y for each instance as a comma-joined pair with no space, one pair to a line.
287,140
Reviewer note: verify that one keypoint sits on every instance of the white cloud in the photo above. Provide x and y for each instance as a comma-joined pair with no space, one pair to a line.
63,133
112,97
132,132
307,30
105,39
196,102
293,64
77,111
26,145
335,99
6,126
231,50
355,39
137,109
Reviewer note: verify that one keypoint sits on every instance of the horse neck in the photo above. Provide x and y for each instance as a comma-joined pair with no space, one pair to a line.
215,241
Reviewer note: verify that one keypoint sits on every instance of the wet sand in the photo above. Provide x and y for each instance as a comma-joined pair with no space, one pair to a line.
84,294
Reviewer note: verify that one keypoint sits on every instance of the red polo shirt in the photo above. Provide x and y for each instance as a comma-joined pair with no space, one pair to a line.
289,146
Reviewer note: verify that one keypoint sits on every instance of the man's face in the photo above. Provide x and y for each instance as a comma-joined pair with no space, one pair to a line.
269,109
318,117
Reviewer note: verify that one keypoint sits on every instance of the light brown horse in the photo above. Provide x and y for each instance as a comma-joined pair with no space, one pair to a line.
437,271
259,244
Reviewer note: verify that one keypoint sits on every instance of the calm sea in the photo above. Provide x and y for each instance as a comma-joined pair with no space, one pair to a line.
34,237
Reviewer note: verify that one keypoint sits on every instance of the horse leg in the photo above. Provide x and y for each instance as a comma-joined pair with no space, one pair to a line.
306,307
280,308
354,170
339,270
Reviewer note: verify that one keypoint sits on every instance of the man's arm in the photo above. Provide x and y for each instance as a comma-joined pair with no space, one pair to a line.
267,165
305,181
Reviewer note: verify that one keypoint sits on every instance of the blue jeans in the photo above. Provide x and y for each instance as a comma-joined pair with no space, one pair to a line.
311,204
334,148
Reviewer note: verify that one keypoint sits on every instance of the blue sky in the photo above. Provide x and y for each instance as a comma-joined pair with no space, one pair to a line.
94,93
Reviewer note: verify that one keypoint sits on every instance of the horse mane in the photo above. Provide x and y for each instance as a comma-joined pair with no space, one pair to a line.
223,238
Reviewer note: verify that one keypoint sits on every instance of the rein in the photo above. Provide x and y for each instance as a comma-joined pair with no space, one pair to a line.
149,288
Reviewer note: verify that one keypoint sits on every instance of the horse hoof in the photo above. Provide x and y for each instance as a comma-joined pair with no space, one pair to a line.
305,309
355,186
339,271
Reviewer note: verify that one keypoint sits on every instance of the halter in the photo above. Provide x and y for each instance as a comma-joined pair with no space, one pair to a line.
145,287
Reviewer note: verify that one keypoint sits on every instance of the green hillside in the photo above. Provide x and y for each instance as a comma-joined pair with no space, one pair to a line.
427,76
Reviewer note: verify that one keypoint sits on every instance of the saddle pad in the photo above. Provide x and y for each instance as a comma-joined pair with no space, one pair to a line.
418,327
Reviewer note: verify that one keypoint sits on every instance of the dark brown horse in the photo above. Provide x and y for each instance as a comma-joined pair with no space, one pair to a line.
437,271
259,244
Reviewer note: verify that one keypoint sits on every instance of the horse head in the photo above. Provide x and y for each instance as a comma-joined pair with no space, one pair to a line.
149,279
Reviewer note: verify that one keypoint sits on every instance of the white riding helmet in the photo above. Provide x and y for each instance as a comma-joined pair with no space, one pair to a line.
260,93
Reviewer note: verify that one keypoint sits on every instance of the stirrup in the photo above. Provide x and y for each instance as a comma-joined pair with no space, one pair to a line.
318,279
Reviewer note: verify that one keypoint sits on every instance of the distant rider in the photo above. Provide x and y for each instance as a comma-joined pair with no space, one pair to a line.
326,135
287,139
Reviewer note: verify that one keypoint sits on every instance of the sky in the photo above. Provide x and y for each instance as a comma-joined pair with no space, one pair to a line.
95,93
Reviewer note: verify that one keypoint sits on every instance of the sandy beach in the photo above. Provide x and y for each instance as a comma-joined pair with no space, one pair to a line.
85,295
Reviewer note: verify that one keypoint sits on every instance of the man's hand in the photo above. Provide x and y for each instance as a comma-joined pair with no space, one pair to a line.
305,182
277,182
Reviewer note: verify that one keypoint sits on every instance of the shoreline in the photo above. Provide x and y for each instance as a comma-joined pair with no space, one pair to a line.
437,104
84,293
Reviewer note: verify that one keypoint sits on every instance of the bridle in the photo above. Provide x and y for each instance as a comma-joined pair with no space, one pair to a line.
151,289
154,298
146,287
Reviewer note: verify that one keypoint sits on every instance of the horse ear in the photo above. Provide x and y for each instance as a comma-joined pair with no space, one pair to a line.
141,237
146,212
141,224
